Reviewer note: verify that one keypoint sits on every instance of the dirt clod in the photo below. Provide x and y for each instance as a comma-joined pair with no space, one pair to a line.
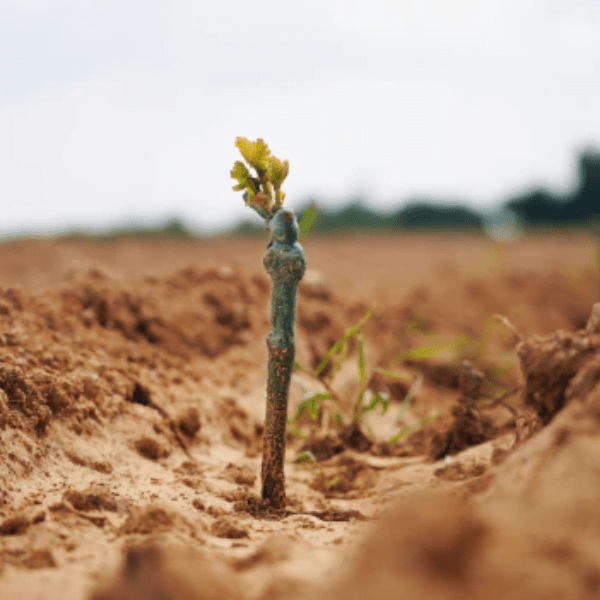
468,428
189,422
150,448
16,525
173,573
550,363
147,521
354,437
225,528
323,447
140,395
90,500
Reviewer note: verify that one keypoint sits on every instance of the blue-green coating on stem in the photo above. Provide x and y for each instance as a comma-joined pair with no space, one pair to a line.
286,263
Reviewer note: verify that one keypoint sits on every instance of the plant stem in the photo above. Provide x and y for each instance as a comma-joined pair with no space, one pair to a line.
285,262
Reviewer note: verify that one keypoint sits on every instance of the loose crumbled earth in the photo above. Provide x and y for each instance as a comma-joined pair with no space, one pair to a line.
132,399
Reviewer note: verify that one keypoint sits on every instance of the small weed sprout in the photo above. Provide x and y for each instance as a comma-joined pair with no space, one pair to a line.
285,262
404,431
314,403
308,458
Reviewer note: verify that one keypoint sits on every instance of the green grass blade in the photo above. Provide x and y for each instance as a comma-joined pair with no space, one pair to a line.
406,430
390,375
362,378
296,431
330,354
332,482
301,368
362,370
311,404
370,433
300,410
307,221
377,399
339,361
340,343
412,392
307,456
430,350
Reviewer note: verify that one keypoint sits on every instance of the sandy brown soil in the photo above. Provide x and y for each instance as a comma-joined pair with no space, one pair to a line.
132,390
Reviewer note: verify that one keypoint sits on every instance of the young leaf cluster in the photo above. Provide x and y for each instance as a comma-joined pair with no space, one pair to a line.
264,189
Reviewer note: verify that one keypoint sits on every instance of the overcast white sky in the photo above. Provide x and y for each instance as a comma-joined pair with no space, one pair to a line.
113,109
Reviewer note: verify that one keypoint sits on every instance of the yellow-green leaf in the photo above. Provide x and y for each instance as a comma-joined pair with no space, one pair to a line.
277,171
244,179
256,154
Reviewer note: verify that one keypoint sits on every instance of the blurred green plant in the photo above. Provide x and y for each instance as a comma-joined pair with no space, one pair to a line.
306,457
406,402
307,221
313,403
430,350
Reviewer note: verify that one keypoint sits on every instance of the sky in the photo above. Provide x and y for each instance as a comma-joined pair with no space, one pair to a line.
115,110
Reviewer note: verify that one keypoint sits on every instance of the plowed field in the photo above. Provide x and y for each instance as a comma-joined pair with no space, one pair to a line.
132,398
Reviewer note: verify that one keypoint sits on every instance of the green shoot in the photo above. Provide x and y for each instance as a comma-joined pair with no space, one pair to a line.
376,399
406,430
412,392
332,482
308,458
362,376
391,375
312,403
262,192
295,430
307,221
341,346
428,351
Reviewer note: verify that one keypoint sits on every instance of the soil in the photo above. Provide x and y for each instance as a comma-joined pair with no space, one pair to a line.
132,399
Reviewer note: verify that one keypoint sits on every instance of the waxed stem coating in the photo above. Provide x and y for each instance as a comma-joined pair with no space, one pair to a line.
285,262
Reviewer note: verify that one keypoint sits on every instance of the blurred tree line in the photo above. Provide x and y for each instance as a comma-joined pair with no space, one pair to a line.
541,207
174,228
536,208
